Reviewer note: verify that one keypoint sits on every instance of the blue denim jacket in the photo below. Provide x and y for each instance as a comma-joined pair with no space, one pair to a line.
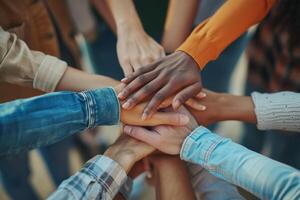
262,176
38,121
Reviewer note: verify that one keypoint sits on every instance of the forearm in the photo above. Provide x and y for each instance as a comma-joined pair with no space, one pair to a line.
178,26
232,107
172,179
105,12
262,176
76,80
125,15
43,120
212,36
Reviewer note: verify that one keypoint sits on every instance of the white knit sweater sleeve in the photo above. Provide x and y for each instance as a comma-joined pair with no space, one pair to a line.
279,111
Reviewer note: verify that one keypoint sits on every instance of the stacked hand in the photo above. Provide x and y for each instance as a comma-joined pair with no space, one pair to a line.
177,74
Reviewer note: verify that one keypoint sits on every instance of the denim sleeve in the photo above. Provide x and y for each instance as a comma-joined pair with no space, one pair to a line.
39,121
262,176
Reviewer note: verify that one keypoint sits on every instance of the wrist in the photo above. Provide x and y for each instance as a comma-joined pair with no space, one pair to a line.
126,26
125,159
240,108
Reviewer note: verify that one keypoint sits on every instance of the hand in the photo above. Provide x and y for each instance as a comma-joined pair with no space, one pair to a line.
214,107
135,49
167,139
127,151
132,116
176,73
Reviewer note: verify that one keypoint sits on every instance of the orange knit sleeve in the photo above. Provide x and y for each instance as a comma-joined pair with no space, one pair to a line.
213,35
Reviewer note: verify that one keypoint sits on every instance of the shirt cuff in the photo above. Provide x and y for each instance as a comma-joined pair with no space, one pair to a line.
200,46
99,103
126,188
277,111
108,172
49,73
199,145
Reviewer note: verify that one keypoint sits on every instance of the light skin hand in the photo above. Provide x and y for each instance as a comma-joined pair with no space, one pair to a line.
176,74
167,139
127,151
133,116
135,48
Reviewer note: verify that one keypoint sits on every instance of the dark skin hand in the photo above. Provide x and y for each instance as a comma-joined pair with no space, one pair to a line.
176,73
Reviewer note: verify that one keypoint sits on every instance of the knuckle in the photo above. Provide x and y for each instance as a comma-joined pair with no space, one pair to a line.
147,89
159,96
142,78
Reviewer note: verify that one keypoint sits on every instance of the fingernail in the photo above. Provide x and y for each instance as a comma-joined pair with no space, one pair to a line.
201,95
149,174
124,79
126,105
202,107
121,95
127,130
176,104
144,116
184,119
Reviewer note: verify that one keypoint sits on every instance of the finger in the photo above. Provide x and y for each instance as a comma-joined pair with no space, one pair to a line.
146,60
136,84
142,134
127,68
185,94
136,63
166,103
195,105
143,93
170,118
157,99
147,168
201,95
138,72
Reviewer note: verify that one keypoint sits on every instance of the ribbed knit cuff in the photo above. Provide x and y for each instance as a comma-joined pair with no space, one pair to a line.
280,111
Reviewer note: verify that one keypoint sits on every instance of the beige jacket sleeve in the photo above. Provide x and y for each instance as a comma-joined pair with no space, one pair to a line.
21,66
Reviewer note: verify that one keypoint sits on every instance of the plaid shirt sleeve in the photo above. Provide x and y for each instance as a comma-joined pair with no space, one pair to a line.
100,178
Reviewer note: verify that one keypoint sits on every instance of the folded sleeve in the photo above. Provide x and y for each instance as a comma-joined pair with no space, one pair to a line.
213,35
100,178
21,66
280,111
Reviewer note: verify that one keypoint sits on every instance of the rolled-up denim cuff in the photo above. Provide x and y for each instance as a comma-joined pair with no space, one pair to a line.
49,74
199,145
102,107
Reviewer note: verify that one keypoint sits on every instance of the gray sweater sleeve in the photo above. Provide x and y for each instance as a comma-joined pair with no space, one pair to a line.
279,111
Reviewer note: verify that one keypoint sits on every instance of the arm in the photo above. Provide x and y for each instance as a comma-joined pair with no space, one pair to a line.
279,111
103,176
178,26
22,66
39,121
262,176
171,178
212,36
208,186
134,47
